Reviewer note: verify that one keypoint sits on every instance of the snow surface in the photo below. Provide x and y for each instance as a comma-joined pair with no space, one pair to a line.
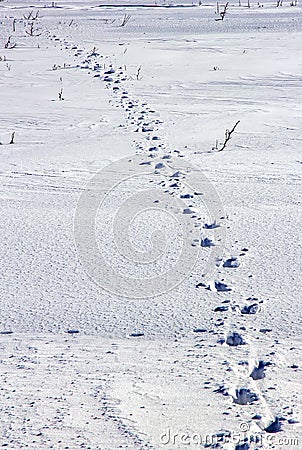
135,368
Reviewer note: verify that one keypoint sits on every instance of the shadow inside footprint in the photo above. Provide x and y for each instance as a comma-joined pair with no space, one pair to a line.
211,226
242,446
245,397
221,287
206,242
274,427
258,373
231,263
250,309
235,339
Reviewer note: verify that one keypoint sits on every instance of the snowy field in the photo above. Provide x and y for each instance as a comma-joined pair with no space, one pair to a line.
150,275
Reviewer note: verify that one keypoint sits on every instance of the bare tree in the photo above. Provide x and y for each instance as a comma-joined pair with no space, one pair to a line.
12,138
138,73
223,13
31,15
216,145
125,20
228,136
60,95
9,43
32,30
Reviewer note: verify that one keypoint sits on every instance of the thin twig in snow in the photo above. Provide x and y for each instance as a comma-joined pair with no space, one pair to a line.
228,136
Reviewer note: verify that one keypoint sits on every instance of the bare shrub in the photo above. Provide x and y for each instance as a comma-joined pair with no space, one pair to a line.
125,20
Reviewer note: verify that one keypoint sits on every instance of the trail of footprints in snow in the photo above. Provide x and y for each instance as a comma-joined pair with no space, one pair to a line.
142,119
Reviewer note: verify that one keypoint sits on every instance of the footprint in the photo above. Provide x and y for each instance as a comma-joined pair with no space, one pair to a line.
206,242
258,373
234,339
218,286
244,396
244,446
250,309
232,263
211,226
274,426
